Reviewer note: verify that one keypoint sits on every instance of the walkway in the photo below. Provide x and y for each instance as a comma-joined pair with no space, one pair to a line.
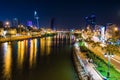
89,67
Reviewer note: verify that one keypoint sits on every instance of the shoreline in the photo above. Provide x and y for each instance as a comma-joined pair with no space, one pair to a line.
18,38
81,73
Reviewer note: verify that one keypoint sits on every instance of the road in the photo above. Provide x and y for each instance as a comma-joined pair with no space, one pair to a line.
97,50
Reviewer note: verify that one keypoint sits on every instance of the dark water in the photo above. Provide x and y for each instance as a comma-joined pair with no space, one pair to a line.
37,59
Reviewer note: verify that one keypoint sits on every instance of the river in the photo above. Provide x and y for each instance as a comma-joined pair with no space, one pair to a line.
38,59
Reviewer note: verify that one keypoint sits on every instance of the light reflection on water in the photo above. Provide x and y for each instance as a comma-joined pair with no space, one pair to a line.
33,50
42,46
45,46
48,45
7,61
36,59
20,57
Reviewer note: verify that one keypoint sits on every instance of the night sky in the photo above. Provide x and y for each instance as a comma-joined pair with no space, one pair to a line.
67,13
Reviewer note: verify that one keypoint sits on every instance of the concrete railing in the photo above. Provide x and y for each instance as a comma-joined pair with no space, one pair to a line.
82,72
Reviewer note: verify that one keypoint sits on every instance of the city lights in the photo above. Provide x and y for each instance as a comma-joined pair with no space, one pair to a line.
7,24
116,29
59,40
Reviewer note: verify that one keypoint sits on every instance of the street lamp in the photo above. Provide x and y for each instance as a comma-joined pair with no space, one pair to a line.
7,24
109,55
116,29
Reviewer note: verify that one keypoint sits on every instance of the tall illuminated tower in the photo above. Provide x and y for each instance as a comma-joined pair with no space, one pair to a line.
103,34
37,18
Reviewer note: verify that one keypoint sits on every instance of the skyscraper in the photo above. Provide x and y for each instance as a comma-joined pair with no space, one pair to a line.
37,18
29,23
91,20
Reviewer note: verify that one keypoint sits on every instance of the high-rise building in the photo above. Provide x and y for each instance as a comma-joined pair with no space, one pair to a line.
29,23
91,20
37,18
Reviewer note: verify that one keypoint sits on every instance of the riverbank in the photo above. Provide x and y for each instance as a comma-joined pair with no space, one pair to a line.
79,66
86,70
22,37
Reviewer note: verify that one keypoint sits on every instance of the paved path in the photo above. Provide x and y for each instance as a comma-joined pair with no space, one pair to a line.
92,72
90,68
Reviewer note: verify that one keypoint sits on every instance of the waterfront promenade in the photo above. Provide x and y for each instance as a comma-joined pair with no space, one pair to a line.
21,37
7,39
89,68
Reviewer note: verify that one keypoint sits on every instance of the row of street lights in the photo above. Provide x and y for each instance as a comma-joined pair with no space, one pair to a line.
108,55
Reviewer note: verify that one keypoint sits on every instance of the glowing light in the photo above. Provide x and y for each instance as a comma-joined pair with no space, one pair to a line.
42,47
48,49
21,48
103,34
31,53
7,23
116,29
35,13
76,45
95,39
33,50
77,40
5,47
7,63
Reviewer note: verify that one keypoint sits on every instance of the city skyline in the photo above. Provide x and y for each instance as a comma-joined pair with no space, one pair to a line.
67,14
